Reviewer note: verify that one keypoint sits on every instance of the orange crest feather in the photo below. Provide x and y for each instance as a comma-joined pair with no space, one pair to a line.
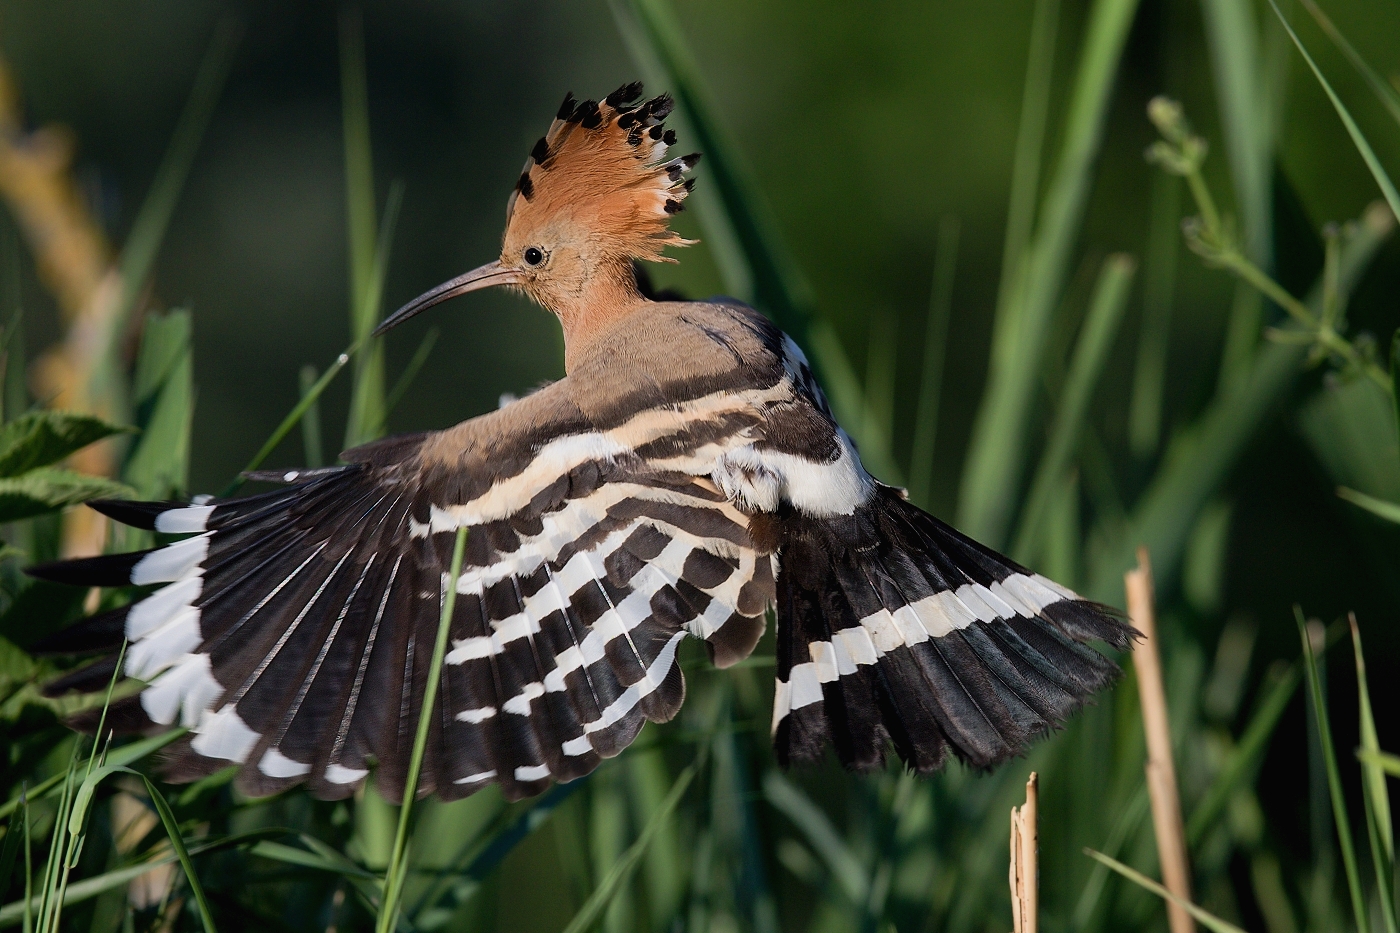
603,166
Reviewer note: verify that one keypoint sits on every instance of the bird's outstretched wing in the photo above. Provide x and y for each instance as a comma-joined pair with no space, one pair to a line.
293,629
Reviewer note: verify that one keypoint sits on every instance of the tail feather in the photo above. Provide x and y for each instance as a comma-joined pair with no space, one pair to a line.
896,629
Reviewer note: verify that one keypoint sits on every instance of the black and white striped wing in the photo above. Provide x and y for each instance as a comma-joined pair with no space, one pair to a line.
294,629
893,628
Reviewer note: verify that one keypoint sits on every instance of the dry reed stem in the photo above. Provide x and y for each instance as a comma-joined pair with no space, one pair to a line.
75,263
1025,862
1161,772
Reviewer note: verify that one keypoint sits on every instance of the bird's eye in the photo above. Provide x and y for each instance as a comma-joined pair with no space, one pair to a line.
534,256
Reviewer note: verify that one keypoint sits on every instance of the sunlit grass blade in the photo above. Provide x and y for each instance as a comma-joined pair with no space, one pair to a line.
996,456
1389,511
940,311
1086,365
1202,454
1375,794
843,864
122,755
398,860
1245,757
1340,819
311,420
1392,197
621,872
1204,918
1154,336
1386,94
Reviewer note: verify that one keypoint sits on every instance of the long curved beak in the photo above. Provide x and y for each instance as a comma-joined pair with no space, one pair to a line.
493,273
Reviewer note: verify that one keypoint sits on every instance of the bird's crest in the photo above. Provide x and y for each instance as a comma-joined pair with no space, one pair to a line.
604,167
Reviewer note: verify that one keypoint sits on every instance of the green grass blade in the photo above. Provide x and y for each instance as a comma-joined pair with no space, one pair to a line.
1204,918
1340,819
1030,145
291,855
1154,337
1387,762
1389,511
747,247
1386,94
1200,456
1245,757
622,871
367,391
14,912
1233,36
1127,823
1086,365
398,859
1376,797
148,230
410,372
997,452
172,829
163,397
940,312
1392,197
843,864
311,421
486,858
295,415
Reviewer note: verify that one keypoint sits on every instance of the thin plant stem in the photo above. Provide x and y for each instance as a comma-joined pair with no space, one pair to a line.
1341,821
398,860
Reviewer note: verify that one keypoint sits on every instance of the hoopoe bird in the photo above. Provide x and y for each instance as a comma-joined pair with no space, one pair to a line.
684,476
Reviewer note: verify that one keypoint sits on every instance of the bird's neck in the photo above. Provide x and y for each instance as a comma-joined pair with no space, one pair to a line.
606,297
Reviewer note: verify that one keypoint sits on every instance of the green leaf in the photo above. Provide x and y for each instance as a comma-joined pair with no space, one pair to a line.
40,438
48,489
1392,197
1390,511
1208,920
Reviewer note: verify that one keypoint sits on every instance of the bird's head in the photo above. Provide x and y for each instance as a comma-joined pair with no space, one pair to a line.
596,194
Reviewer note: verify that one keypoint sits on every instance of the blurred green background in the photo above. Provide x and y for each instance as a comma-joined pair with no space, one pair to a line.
864,126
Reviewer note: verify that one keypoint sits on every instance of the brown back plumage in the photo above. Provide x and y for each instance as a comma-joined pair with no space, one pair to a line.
602,167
